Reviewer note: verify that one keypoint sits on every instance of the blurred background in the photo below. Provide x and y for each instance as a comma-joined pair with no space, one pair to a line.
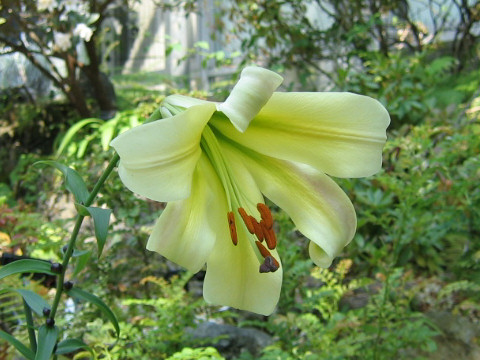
74,74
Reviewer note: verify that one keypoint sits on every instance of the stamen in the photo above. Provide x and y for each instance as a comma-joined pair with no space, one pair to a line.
265,214
246,220
263,250
270,264
258,228
269,235
232,227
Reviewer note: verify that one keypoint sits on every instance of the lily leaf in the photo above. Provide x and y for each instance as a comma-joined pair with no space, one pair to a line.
35,301
73,181
71,345
26,266
101,220
82,261
47,338
25,351
83,295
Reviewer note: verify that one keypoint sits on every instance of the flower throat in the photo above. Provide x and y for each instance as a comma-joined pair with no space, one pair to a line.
261,235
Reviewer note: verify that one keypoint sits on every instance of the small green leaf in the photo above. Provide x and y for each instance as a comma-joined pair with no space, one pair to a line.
73,181
82,210
101,220
202,45
47,338
35,301
82,261
83,295
71,345
25,351
26,266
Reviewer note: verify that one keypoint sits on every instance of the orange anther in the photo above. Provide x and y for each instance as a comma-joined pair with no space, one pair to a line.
246,220
270,264
232,227
263,250
265,214
269,235
258,229
273,240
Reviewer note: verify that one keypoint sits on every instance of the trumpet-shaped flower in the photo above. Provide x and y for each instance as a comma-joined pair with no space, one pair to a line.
214,162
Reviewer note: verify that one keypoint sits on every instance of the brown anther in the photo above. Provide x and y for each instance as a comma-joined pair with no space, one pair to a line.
269,235
258,228
264,268
232,227
269,265
272,263
246,220
266,254
265,214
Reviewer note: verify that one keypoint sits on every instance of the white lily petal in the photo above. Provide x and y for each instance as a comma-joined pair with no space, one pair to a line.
184,233
341,134
233,278
255,86
316,204
157,159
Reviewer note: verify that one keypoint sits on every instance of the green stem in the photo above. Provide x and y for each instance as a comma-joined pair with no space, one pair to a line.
76,229
30,326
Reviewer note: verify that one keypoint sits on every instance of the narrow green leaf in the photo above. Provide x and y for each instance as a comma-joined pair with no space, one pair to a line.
35,301
26,266
71,345
107,131
82,261
72,131
25,351
82,146
82,210
47,338
83,295
73,181
101,220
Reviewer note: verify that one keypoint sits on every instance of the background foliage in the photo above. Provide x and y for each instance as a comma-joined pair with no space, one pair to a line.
415,257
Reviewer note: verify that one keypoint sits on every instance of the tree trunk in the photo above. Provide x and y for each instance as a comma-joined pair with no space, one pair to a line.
103,90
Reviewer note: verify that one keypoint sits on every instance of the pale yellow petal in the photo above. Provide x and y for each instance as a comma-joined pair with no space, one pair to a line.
233,277
255,86
157,159
315,203
341,134
187,229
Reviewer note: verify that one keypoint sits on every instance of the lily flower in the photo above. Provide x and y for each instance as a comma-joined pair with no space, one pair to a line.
214,162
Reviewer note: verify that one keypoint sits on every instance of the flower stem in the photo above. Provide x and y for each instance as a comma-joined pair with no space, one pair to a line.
76,229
